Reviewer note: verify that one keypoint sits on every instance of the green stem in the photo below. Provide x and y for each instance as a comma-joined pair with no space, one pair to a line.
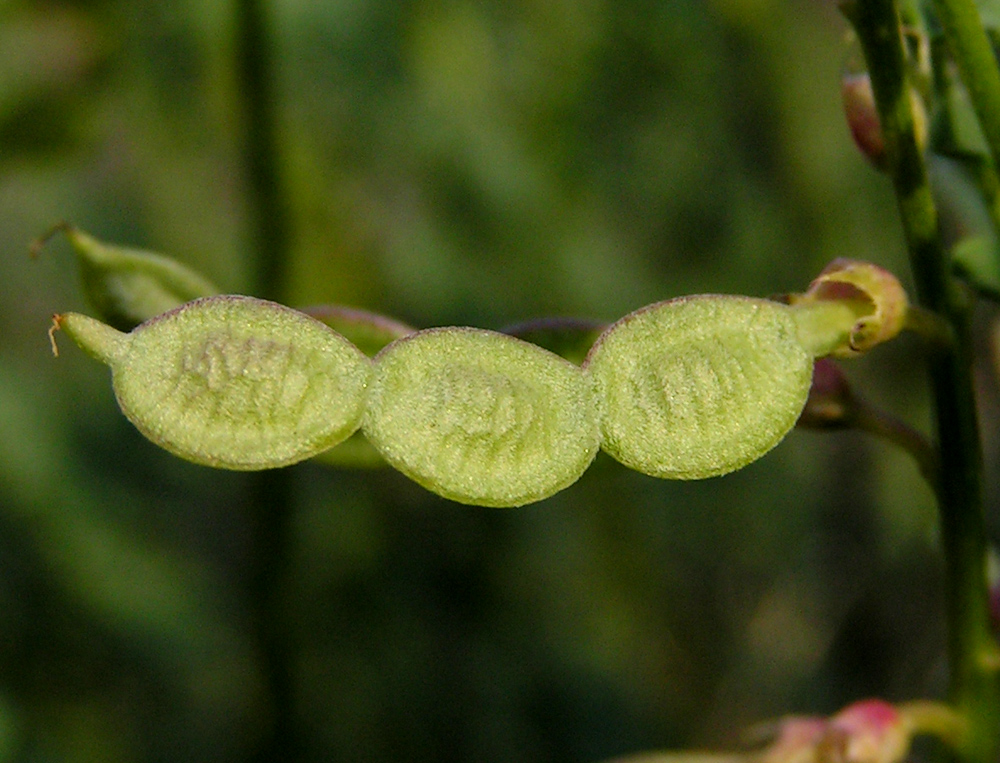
869,419
935,719
930,326
972,650
270,501
973,54
988,182
267,210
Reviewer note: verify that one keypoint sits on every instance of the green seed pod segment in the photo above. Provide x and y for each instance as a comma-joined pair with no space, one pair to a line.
698,386
480,417
128,286
239,383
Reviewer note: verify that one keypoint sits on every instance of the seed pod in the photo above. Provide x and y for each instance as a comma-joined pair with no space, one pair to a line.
569,338
698,386
367,331
480,417
128,286
232,382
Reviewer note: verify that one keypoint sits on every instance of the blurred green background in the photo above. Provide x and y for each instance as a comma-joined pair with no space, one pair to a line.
445,162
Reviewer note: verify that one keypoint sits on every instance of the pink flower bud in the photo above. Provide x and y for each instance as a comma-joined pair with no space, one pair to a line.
870,731
797,740
862,118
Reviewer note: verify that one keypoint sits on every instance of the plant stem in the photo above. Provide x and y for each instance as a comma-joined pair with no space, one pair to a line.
974,685
869,419
267,209
977,64
982,169
270,502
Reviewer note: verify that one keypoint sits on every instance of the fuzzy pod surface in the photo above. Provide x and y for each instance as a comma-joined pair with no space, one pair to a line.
233,382
699,386
481,417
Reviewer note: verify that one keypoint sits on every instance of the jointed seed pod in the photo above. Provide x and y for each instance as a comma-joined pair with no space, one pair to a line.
684,389
369,332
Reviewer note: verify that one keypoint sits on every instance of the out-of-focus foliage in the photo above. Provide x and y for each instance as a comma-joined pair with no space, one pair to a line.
448,163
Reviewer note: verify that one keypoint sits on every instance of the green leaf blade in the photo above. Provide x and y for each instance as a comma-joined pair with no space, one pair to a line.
480,417
241,383
699,386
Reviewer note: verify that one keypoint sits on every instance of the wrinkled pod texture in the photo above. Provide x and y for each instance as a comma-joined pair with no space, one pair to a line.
688,388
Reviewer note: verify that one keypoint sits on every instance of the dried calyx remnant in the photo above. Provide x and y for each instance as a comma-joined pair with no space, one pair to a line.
688,388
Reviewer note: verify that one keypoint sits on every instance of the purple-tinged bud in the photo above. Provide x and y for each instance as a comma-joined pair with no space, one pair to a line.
830,401
863,121
862,117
